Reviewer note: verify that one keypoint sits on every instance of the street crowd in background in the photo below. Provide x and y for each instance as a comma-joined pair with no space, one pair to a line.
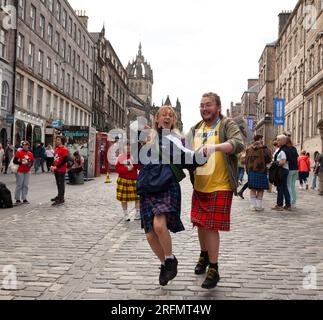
257,161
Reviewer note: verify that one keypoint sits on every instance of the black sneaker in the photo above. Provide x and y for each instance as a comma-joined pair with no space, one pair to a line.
162,280
58,202
18,202
26,202
54,199
212,279
170,269
202,264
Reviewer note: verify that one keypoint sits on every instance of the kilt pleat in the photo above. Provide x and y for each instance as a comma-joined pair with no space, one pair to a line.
168,203
127,190
258,181
212,210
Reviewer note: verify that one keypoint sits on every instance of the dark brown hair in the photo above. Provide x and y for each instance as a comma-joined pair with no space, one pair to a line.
214,96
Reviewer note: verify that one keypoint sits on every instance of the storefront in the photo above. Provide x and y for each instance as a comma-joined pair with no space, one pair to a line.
28,128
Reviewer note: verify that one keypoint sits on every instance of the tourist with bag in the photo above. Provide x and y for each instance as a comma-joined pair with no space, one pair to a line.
258,156
281,163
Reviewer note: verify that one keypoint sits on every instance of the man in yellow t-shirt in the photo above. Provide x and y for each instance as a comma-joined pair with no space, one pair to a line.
214,183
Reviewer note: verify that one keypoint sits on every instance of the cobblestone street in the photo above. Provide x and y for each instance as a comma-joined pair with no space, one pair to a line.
84,249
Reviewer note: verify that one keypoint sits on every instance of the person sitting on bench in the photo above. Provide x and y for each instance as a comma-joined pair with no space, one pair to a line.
76,169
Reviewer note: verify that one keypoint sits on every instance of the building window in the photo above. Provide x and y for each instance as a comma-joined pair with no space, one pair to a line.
78,62
295,45
30,95
63,48
50,34
3,44
40,100
42,26
62,81
50,4
48,104
55,107
70,26
83,44
49,68
68,83
56,45
32,17
20,47
19,89
309,132
55,73
75,30
82,93
40,62
321,56
22,9
58,11
31,55
79,38
64,18
83,68
69,54
73,59
5,95
77,93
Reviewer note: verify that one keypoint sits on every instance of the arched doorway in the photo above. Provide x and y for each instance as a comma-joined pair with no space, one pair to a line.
29,133
19,132
3,137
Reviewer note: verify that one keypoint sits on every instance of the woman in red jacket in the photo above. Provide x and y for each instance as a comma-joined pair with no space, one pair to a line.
304,167
126,184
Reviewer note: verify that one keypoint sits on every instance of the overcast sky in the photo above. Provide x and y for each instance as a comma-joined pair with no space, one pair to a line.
193,46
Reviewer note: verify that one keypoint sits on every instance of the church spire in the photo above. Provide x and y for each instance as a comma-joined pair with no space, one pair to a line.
139,51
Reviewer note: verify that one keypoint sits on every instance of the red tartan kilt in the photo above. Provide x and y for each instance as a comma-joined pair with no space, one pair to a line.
212,210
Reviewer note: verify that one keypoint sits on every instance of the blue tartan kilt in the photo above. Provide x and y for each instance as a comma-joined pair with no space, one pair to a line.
258,181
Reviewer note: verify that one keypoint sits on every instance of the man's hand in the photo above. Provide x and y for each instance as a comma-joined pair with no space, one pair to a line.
208,149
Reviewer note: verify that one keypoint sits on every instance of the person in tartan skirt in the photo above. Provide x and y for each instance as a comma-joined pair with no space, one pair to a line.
126,183
160,207
258,157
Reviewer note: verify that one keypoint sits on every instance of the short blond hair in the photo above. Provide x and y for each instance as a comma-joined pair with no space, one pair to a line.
282,138
171,109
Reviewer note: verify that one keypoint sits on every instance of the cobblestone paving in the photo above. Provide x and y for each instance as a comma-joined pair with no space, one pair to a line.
84,249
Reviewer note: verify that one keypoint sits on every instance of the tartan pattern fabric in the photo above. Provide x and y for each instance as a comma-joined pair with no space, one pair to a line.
168,203
258,181
212,210
127,190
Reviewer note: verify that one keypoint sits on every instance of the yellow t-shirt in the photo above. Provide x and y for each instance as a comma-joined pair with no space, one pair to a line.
213,176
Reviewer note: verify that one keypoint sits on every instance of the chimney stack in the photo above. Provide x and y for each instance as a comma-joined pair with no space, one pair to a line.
283,18
83,17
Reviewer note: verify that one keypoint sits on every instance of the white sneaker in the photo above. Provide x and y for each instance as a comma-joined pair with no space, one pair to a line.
253,208
260,209
126,216
137,216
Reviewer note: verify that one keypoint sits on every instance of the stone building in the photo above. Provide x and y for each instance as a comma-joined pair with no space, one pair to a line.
110,94
299,72
235,110
7,61
249,100
264,111
54,69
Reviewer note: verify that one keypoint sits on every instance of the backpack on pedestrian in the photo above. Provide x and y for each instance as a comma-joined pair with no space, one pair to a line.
5,197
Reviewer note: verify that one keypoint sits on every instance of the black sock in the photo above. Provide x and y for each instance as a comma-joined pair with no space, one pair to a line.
204,254
214,266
